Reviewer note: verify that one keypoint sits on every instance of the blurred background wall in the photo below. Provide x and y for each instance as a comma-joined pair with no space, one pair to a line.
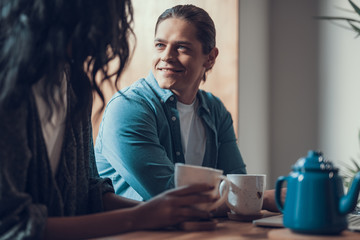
304,81
284,77
290,81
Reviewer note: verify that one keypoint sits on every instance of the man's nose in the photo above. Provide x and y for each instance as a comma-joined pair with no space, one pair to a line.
168,55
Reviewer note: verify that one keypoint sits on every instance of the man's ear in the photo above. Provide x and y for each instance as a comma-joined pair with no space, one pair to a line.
211,58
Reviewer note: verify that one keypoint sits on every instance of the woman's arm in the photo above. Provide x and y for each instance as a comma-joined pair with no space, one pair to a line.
112,201
170,208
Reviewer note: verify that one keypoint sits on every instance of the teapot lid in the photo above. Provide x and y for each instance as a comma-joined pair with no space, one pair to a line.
314,162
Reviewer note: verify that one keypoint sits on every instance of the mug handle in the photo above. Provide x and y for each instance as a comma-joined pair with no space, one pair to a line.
278,187
234,187
223,191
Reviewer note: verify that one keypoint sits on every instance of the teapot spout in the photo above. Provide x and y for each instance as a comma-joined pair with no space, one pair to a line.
348,202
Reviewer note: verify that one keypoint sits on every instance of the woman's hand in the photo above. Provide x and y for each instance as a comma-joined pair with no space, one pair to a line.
174,206
221,211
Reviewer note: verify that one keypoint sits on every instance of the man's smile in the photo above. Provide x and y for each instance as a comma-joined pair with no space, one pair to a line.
170,70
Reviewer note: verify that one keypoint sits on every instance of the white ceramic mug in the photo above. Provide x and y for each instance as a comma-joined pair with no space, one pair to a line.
246,193
190,174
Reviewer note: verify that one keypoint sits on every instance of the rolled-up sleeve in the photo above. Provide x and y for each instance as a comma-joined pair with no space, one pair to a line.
97,186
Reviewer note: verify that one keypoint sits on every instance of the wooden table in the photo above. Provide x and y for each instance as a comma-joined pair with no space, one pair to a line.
228,230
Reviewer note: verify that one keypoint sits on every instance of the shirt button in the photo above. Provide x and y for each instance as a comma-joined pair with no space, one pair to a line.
177,153
173,118
171,98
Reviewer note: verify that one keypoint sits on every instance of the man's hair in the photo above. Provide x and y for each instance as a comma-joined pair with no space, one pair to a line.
203,23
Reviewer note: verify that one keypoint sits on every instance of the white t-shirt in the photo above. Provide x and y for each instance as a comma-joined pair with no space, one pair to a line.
193,137
53,129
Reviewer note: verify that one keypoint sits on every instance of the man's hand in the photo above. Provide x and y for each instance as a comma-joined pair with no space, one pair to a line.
269,200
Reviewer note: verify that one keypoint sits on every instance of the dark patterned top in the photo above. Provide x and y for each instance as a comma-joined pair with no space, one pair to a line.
29,193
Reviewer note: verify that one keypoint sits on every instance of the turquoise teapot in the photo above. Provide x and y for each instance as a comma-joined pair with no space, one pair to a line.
315,202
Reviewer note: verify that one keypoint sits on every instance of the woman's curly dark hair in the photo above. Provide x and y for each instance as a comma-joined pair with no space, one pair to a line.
39,37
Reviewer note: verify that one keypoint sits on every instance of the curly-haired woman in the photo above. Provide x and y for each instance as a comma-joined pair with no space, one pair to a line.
50,52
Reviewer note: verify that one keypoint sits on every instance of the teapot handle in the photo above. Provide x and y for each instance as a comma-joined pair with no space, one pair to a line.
278,188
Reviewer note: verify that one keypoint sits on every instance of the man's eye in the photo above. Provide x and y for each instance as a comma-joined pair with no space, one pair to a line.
182,47
159,45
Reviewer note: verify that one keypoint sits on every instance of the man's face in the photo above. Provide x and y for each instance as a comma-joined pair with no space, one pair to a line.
178,63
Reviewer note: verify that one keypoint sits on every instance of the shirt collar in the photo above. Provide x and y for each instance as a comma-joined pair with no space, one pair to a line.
163,94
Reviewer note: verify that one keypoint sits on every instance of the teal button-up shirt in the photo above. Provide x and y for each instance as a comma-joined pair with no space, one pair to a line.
139,139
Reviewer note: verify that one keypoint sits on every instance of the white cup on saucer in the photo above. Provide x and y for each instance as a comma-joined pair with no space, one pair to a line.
246,193
189,174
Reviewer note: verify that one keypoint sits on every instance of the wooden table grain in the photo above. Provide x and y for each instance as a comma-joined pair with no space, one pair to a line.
228,230
225,230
